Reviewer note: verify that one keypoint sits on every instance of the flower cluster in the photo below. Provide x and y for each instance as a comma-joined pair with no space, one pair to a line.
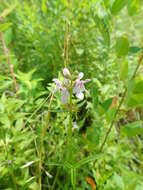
78,86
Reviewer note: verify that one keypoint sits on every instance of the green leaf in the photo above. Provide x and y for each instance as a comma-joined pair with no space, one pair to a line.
118,181
132,129
8,11
8,36
123,70
73,177
107,103
5,26
117,6
86,160
103,28
134,49
107,3
133,7
111,114
94,94
93,134
138,87
122,46
44,6
34,186
79,51
134,95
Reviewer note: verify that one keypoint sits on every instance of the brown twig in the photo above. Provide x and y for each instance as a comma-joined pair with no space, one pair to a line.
5,50
120,104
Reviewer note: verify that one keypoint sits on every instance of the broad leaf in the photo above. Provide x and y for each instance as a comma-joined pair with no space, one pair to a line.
124,70
122,46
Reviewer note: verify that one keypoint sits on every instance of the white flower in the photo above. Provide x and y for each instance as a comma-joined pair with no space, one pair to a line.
75,126
66,72
79,87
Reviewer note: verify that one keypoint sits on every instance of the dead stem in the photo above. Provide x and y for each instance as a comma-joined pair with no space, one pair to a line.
5,50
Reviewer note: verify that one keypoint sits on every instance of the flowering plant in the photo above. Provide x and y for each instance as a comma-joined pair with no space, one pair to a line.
69,84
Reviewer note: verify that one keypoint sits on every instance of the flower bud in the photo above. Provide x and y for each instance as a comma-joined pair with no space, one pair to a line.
66,72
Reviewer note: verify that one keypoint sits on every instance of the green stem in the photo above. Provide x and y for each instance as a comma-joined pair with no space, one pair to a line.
44,129
56,177
71,152
70,140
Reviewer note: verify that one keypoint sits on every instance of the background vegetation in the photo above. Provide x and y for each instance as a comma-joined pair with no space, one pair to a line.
104,40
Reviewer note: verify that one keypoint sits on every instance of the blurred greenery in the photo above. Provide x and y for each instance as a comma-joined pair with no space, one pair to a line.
104,40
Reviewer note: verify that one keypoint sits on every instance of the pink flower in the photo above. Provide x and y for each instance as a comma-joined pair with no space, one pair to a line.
64,91
65,85
65,96
58,84
79,87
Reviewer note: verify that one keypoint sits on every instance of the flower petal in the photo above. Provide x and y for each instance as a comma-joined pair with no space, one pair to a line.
87,80
66,72
80,76
80,95
76,88
65,96
66,82
75,126
58,83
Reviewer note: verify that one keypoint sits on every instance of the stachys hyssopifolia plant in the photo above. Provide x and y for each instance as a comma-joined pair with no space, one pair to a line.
71,87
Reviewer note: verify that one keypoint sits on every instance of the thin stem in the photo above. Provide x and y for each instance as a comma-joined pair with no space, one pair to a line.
66,39
120,104
112,123
5,50
46,122
70,125
56,177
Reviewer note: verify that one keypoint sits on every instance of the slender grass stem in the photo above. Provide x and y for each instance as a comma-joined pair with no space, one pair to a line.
44,129
56,177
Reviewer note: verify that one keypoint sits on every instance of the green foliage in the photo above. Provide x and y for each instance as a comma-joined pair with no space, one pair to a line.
134,7
4,26
118,5
133,129
124,70
122,46
39,146
103,28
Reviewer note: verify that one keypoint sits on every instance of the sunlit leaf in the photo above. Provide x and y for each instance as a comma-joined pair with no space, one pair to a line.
118,5
122,46
4,26
123,70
